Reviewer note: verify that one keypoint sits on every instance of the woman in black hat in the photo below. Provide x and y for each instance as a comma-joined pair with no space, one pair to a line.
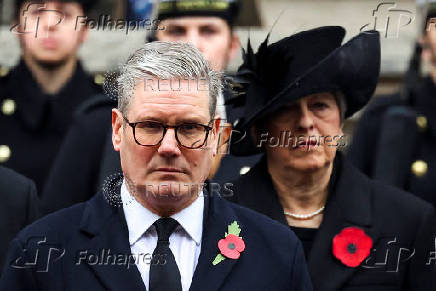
357,234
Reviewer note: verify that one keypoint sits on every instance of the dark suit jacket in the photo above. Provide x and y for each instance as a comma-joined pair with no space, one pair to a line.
392,218
273,258
18,206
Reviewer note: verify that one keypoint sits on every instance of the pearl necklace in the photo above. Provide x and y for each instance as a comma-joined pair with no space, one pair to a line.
304,216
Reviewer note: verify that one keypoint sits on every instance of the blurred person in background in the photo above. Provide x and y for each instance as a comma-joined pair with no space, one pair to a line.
87,158
39,95
395,139
212,32
297,93
18,207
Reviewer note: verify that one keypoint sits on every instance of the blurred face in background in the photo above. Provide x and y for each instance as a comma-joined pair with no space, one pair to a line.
218,44
308,120
47,31
211,35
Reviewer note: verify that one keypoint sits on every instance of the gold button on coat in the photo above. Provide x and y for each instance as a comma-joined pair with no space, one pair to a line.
421,121
4,71
8,107
5,153
99,79
419,168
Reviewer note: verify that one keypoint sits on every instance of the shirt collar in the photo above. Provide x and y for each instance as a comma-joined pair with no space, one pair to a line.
139,219
191,218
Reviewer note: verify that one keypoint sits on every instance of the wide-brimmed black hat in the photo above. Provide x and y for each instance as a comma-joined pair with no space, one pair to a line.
308,62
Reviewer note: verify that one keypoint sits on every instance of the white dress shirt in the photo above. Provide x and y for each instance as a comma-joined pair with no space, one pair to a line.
185,241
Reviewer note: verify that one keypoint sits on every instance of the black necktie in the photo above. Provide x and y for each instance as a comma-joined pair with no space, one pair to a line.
164,274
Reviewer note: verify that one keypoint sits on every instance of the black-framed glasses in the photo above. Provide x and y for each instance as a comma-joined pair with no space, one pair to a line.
151,133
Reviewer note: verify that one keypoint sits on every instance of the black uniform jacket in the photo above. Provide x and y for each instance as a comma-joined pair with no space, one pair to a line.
397,222
75,174
395,141
33,124
18,207
273,258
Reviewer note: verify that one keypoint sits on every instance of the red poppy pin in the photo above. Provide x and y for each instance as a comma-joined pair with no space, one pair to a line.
351,246
231,246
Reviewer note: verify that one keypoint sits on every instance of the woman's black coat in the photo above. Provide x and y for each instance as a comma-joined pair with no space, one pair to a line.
401,226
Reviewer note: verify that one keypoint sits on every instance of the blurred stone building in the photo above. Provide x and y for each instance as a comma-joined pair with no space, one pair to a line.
398,22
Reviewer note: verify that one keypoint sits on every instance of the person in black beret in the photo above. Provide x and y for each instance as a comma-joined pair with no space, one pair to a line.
87,159
39,95
209,24
357,234
395,139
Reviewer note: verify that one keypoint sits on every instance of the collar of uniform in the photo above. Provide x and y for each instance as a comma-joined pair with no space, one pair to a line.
32,102
139,219
425,96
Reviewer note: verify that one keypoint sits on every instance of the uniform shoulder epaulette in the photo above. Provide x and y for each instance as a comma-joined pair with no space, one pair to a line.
93,103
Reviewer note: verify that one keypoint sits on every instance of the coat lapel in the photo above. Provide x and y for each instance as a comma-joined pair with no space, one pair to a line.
106,226
255,190
349,204
207,276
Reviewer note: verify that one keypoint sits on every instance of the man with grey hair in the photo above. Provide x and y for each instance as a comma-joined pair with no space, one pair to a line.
160,228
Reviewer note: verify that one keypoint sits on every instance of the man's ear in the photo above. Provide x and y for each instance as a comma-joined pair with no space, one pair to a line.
216,132
226,131
117,129
234,46
216,124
